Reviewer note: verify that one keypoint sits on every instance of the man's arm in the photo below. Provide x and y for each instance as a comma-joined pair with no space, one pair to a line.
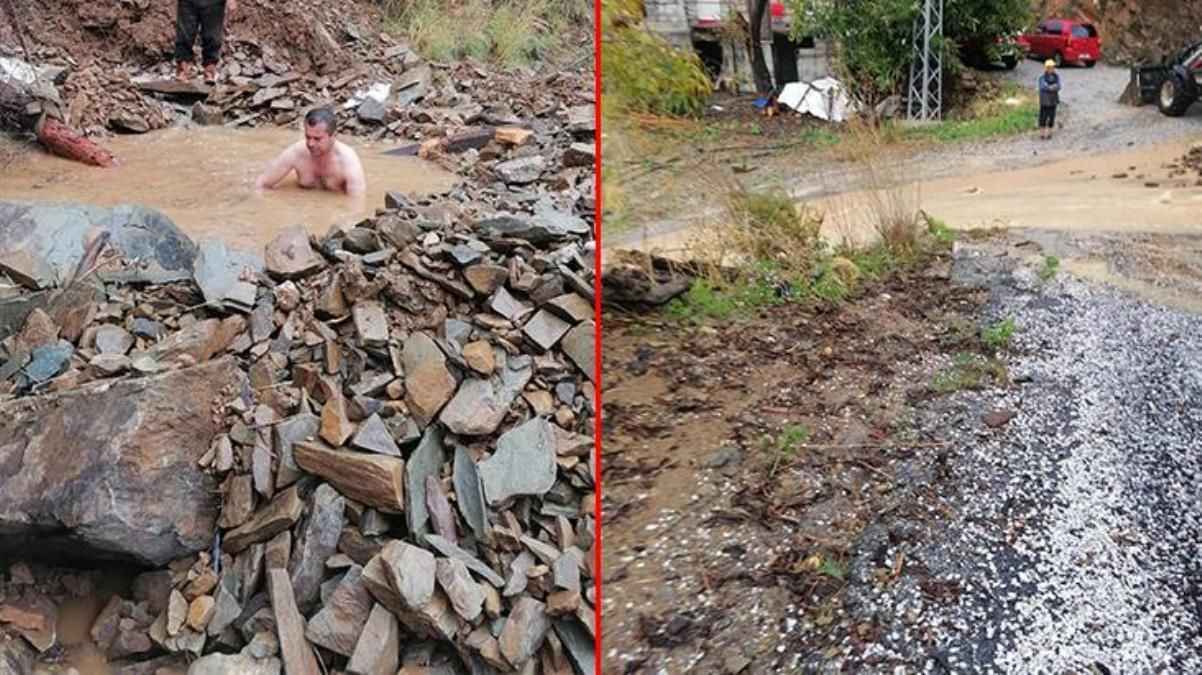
277,171
356,182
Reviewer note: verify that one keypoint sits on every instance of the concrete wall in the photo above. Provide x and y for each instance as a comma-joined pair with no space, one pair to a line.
669,19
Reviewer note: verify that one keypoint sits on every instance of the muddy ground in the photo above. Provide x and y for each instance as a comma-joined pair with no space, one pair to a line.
929,516
742,460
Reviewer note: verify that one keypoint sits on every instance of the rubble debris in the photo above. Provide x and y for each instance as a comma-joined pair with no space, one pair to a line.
362,508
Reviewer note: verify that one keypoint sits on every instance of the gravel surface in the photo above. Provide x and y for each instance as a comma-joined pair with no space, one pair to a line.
1090,118
1067,540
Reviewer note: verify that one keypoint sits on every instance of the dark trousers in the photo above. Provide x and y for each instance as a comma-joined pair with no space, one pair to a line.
209,18
1047,117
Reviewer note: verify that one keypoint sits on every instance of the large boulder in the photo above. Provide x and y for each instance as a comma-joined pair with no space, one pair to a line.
46,240
109,470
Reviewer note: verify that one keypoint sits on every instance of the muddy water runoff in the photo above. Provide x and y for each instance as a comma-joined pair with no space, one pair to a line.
203,179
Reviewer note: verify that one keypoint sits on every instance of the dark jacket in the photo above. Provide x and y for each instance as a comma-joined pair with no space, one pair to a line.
1049,90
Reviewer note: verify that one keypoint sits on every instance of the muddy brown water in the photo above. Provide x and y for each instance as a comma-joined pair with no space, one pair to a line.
203,179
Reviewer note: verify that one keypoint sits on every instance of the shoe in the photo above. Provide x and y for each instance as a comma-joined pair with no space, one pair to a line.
211,73
183,71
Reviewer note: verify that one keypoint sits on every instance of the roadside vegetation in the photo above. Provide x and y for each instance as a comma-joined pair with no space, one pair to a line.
873,39
509,32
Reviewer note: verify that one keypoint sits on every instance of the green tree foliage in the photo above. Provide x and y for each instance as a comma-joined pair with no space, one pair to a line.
641,72
873,37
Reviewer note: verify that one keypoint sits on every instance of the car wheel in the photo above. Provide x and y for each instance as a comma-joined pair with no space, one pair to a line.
1174,100
1011,62
1090,64
1059,59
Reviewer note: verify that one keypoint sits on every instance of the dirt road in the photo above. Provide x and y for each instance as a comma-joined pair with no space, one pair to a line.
1020,181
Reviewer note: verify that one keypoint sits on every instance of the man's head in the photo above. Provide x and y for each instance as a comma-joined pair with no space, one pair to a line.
1049,66
320,126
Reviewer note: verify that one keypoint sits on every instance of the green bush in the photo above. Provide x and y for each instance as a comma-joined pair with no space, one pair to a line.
874,38
641,72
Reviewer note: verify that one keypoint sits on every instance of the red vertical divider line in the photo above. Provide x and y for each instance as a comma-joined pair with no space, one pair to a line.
598,567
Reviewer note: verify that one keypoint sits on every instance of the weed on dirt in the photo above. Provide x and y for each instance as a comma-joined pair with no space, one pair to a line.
767,250
997,336
970,371
1051,265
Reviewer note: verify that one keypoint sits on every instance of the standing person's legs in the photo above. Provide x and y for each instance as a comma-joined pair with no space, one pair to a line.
187,20
1051,121
212,36
1044,115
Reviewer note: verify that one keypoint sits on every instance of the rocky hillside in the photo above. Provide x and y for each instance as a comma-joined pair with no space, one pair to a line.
280,60
1143,31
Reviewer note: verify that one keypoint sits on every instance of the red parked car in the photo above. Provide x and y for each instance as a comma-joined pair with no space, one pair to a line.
1065,41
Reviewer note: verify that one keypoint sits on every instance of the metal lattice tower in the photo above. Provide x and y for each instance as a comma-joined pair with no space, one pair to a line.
926,69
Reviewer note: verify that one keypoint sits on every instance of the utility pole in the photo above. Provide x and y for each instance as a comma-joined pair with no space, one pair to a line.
926,68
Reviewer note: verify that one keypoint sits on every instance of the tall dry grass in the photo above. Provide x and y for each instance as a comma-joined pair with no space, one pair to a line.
511,32
878,196
756,233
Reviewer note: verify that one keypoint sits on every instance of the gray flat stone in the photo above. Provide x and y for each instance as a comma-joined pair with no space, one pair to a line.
580,346
480,405
506,305
374,436
49,361
523,464
371,323
316,542
545,329
218,271
524,632
410,571
571,307
288,433
378,650
228,664
517,574
469,494
56,232
521,171
112,339
579,645
290,256
427,460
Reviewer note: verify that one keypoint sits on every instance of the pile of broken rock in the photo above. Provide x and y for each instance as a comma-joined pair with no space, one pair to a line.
372,451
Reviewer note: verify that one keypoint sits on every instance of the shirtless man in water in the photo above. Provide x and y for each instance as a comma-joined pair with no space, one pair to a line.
320,161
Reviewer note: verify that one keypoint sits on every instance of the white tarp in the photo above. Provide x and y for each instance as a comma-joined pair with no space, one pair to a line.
378,91
825,99
38,81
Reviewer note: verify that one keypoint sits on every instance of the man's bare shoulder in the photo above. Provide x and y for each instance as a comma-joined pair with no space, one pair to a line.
345,151
295,152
